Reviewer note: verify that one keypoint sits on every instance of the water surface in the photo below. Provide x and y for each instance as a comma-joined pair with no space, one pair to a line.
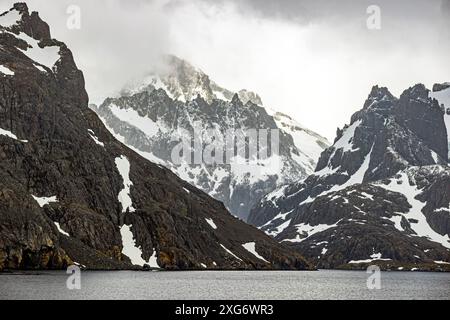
223,285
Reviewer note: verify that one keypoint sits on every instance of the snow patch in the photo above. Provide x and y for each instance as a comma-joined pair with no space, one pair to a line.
211,223
366,195
310,230
279,229
373,257
251,247
252,171
6,70
397,220
46,56
94,137
309,144
132,117
123,165
230,253
61,230
42,201
79,265
275,195
435,157
10,18
132,251
40,68
443,209
10,135
421,228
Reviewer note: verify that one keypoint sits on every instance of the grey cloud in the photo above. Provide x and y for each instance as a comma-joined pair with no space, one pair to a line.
304,11
283,49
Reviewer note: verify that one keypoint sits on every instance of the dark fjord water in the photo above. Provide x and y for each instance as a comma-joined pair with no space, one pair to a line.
225,285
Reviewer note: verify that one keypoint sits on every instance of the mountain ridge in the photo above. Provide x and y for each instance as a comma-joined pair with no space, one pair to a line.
389,142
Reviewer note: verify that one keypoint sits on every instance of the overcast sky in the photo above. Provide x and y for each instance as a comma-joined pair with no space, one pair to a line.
314,60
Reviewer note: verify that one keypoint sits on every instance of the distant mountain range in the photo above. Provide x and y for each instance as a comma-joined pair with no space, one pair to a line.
151,112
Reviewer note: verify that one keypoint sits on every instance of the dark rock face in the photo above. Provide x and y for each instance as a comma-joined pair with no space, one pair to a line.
380,193
440,86
423,118
129,117
65,199
441,93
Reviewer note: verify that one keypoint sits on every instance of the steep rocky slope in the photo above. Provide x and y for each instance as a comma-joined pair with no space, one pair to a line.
153,115
380,193
71,193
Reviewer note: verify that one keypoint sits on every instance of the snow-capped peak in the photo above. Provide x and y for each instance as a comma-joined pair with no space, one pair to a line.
184,82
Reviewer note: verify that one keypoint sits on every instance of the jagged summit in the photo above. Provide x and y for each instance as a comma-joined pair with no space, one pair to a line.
18,19
379,97
183,82
236,100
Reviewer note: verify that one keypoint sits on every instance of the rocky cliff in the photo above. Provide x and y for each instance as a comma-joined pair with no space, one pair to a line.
71,193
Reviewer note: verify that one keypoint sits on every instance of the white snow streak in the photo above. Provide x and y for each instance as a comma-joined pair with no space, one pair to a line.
373,257
6,70
123,165
251,247
94,137
61,230
9,134
229,252
211,223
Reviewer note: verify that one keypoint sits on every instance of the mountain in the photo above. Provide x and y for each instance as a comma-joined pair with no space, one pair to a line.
152,115
379,193
70,193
